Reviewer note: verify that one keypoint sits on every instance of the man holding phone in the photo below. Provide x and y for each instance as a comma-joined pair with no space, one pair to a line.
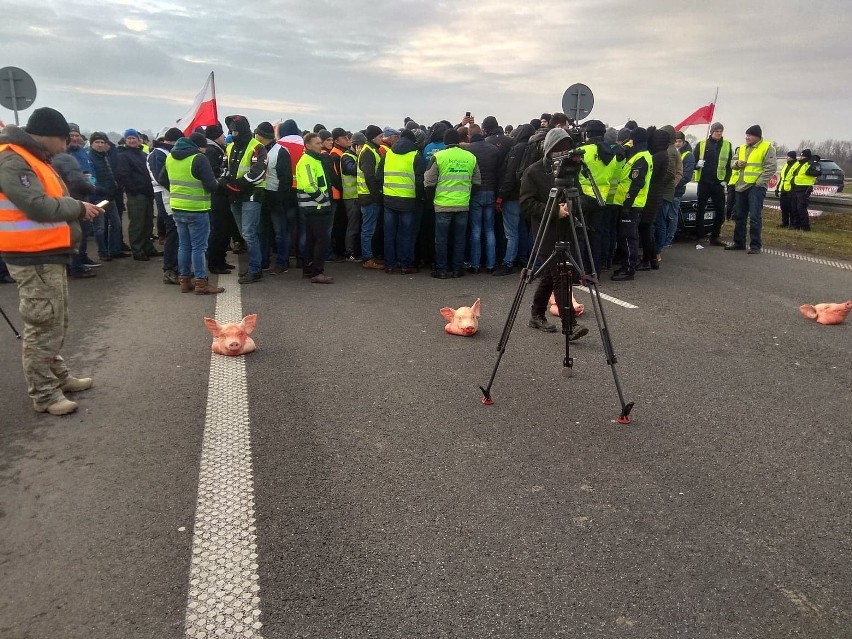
106,194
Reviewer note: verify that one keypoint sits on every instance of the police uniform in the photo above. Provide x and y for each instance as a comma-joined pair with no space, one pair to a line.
631,194
802,179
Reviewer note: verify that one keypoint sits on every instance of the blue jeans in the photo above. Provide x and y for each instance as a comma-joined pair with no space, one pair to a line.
511,227
193,229
749,211
399,234
99,228
482,222
663,220
369,216
113,239
247,217
283,217
674,216
443,221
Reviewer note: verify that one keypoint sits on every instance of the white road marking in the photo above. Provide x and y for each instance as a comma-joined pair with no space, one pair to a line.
224,592
810,258
608,298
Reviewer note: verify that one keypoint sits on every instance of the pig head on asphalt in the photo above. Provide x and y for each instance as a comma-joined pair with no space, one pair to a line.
827,313
462,321
232,339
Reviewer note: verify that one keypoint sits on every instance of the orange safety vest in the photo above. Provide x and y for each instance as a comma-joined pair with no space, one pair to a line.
335,192
20,234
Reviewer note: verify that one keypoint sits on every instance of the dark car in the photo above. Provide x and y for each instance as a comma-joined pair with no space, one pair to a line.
689,209
832,175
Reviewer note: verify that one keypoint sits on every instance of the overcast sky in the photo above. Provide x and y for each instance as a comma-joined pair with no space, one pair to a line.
113,64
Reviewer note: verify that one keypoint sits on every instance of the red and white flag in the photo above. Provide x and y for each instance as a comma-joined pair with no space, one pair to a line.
203,111
704,115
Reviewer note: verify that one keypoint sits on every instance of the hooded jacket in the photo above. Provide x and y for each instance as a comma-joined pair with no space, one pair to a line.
688,169
19,183
488,158
658,144
510,186
290,137
674,172
201,169
401,147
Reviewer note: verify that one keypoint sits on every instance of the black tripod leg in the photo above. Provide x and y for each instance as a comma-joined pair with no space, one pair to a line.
9,322
566,307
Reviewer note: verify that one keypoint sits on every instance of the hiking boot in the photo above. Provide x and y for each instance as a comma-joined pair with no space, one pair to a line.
623,275
248,278
186,285
540,323
170,277
579,331
202,287
373,263
440,275
75,384
62,406
322,278
754,251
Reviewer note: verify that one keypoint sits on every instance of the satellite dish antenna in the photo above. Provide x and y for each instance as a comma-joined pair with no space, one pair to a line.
577,102
17,89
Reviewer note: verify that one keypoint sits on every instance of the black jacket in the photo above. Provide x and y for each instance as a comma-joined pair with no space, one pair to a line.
106,188
79,186
488,158
401,147
535,191
367,161
658,145
201,169
510,185
131,171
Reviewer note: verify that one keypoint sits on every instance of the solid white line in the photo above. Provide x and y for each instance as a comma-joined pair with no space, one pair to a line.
224,592
609,298
810,258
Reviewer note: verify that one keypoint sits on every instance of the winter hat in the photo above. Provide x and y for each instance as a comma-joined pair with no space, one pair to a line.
359,138
639,135
595,128
610,136
755,130
489,123
238,123
668,128
318,127
213,132
338,132
792,154
173,135
805,153
545,116
623,135
98,135
408,134
716,126
679,135
389,132
419,137
265,130
74,127
411,125
631,124
451,136
325,135
372,131
554,137
131,133
198,139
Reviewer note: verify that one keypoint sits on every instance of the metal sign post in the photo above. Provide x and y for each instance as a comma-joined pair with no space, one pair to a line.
17,90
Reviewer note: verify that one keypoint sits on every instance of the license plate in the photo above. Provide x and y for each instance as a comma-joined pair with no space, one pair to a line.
832,177
708,215
690,217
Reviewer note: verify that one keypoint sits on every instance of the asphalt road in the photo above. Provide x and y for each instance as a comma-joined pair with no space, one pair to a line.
390,503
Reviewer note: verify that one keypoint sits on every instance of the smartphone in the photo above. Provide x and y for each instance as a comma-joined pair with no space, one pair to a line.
467,114
102,204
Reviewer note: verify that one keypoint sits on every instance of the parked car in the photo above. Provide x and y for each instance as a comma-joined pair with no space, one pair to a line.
832,175
689,209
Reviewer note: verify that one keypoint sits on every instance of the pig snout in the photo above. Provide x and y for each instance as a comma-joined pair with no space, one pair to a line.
467,328
232,342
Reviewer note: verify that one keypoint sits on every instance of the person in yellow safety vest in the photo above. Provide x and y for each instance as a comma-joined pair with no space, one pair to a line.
349,194
600,159
631,195
754,165
340,144
39,232
401,174
453,172
688,159
802,180
712,171
245,170
369,194
189,179
730,192
313,190
784,189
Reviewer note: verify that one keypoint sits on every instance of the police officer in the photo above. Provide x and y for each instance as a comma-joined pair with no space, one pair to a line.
600,159
803,178
712,171
39,225
631,195
784,188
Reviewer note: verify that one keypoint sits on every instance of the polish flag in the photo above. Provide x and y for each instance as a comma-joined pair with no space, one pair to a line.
704,115
203,111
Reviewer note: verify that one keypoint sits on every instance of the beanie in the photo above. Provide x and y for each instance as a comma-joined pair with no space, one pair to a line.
213,132
389,132
372,131
318,128
489,123
419,137
631,124
639,135
623,135
48,123
679,135
265,130
610,136
98,135
595,128
198,139
325,135
806,153
545,116
359,138
74,127
451,136
338,132
411,125
716,126
131,133
173,135
408,134
755,130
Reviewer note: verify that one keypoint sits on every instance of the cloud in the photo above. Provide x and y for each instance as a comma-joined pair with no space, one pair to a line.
135,24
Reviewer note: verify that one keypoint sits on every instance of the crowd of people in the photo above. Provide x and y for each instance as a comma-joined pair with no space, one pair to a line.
454,199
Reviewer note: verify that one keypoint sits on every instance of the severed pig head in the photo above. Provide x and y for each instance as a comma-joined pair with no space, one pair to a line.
232,339
462,321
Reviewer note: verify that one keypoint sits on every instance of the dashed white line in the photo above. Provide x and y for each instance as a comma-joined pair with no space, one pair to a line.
810,258
609,298
224,599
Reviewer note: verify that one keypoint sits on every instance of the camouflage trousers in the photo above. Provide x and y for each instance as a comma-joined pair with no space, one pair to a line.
43,292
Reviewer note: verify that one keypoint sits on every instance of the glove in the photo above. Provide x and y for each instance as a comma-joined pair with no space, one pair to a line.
699,164
498,205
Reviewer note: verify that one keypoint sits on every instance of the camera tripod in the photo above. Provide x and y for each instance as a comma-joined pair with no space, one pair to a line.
567,267
9,322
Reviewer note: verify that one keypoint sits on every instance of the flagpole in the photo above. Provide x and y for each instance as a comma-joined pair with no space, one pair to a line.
709,124
213,85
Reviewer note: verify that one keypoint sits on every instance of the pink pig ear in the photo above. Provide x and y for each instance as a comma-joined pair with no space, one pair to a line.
213,326
808,311
475,308
248,323
448,313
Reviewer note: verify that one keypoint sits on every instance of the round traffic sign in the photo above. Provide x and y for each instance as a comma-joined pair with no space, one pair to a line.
17,89
577,101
